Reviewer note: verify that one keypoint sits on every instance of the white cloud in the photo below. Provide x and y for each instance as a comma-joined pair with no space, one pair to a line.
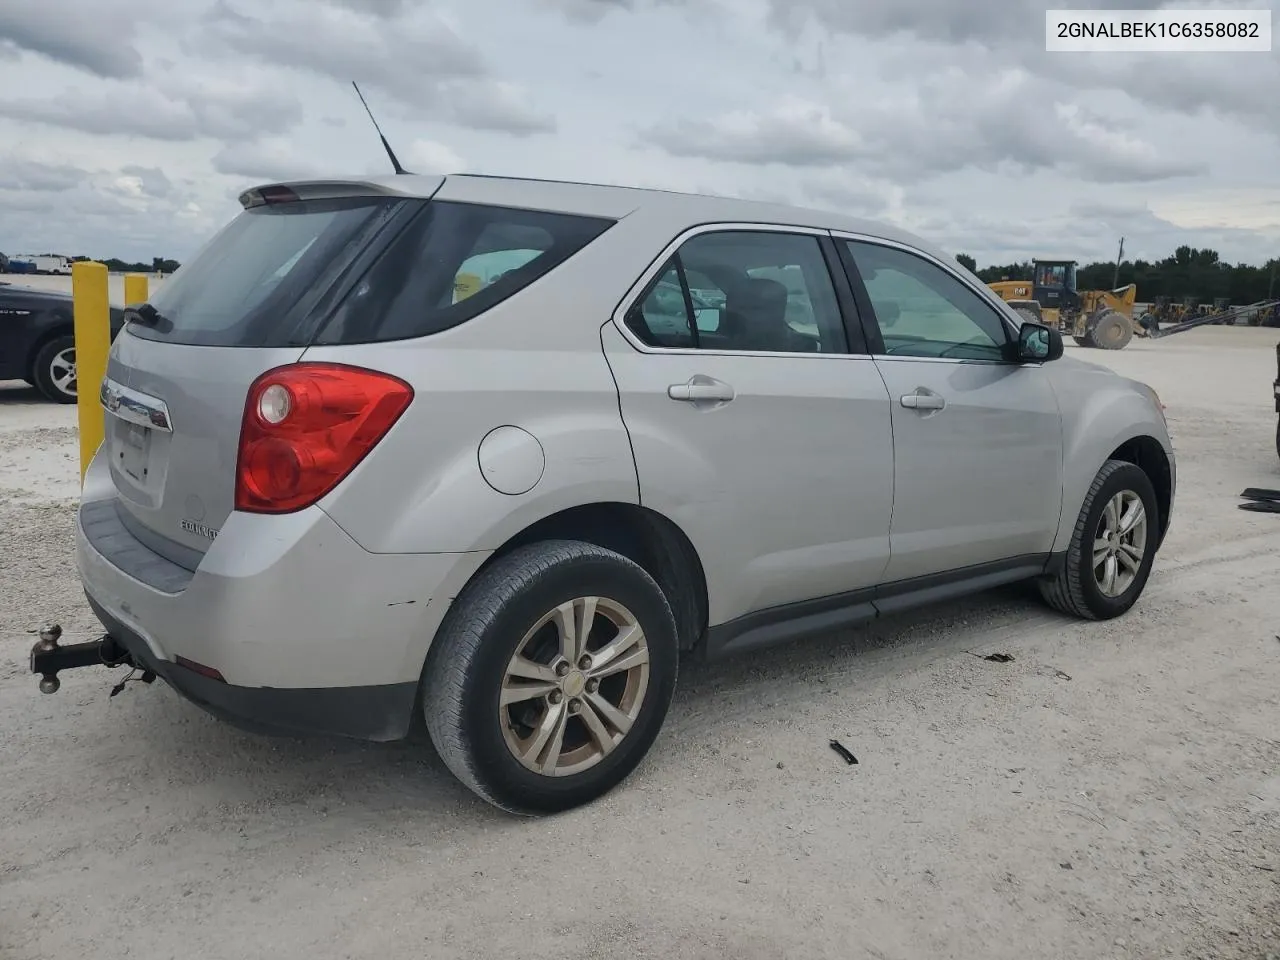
129,126
795,131
265,160
427,156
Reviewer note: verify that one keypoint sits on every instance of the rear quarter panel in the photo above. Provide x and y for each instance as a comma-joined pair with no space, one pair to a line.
1101,411
534,361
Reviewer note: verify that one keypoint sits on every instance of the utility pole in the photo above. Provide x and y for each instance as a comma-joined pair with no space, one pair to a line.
1271,286
1115,279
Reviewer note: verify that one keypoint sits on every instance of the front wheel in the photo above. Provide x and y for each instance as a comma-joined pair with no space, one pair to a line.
54,371
1111,331
551,676
1112,547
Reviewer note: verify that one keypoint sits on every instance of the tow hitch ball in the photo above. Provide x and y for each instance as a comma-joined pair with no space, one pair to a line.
48,657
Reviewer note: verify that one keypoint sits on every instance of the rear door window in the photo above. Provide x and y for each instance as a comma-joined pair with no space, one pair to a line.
453,262
758,291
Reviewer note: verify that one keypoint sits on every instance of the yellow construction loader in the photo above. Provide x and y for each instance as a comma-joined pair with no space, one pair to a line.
1095,318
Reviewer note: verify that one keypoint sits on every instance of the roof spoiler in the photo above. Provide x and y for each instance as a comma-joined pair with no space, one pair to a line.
398,185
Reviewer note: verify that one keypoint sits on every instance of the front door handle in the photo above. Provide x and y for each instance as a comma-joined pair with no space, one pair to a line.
701,389
920,400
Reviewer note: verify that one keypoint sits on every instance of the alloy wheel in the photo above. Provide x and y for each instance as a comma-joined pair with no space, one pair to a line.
62,371
1120,543
574,686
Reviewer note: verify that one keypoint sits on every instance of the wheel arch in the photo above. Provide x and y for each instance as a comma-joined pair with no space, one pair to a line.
1147,454
641,534
1104,417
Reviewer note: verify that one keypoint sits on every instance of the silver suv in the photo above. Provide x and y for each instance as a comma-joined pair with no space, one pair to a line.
501,450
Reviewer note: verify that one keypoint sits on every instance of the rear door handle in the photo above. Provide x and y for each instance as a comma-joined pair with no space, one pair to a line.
701,389
923,401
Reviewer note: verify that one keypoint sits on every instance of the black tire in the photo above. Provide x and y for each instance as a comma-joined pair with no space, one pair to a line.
1074,590
43,375
1083,341
1110,331
468,659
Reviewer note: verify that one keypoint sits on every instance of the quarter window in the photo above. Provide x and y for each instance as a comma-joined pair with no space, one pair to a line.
739,290
923,311
453,262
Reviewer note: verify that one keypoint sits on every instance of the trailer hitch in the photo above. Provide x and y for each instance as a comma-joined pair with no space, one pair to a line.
49,657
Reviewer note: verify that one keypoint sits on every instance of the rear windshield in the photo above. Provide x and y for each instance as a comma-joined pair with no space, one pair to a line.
299,272
453,262
253,282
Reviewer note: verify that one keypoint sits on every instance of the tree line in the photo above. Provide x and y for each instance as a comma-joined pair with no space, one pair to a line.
1189,272
115,265
157,265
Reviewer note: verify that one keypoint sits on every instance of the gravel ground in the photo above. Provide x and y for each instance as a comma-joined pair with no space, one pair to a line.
1112,792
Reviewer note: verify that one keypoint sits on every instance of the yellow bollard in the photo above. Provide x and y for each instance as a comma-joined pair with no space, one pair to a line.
92,316
135,289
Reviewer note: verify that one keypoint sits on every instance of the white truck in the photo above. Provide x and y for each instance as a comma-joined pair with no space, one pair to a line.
45,264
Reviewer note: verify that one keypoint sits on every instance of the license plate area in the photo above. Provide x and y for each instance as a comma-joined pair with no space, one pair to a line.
133,450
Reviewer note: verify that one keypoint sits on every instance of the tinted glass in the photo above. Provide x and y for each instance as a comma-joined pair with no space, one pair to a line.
762,291
453,262
247,286
924,311
1052,276
661,317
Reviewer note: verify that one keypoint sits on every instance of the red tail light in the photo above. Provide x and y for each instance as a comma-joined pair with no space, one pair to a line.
306,426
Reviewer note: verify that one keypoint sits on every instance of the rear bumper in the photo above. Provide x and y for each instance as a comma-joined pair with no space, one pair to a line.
363,713
310,632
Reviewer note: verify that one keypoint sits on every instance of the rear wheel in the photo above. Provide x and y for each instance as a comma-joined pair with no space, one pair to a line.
551,676
1083,341
1112,547
54,370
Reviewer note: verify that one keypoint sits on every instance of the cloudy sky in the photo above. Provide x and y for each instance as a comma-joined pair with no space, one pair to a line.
128,127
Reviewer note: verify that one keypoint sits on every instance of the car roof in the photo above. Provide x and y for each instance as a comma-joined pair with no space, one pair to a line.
603,200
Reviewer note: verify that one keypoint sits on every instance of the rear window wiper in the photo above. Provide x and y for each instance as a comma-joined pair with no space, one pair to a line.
148,316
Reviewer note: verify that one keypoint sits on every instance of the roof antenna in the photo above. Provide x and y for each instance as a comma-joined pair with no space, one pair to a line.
395,164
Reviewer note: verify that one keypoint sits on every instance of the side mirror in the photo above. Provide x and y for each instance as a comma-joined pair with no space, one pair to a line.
1038,343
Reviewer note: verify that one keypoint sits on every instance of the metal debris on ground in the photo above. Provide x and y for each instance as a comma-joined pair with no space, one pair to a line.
841,749
1260,493
993,657
1260,500
1261,506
